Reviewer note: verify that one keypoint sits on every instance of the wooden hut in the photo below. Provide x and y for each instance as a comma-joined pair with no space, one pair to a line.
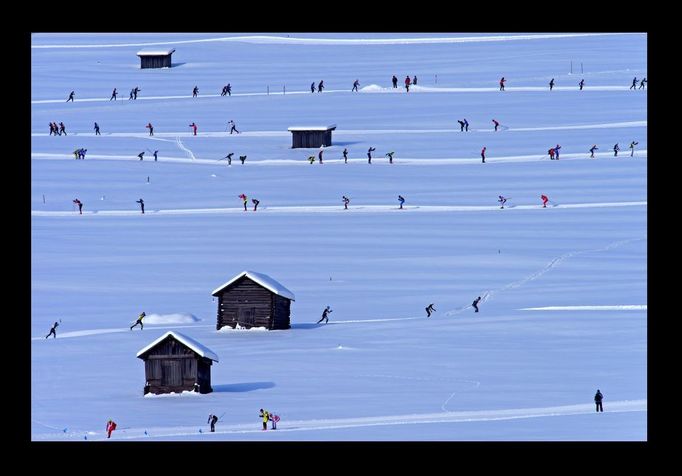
253,300
155,58
313,136
176,363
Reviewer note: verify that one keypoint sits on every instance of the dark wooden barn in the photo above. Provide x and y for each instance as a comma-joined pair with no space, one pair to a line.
155,58
253,300
309,137
176,363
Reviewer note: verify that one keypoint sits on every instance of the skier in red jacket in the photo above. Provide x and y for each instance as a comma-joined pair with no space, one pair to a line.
111,426
408,81
544,200
483,154
194,127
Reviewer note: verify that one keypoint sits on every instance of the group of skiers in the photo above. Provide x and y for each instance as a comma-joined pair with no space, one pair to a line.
408,82
642,83
430,309
268,417
227,90
155,154
320,86
245,199
79,154
57,130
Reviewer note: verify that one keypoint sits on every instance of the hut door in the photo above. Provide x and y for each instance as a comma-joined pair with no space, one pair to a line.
247,316
171,373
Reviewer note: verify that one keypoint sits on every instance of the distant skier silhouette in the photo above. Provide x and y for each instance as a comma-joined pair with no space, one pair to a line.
475,303
53,331
141,202
598,397
325,315
139,321
429,310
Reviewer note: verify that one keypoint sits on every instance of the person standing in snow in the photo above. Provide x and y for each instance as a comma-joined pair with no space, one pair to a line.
642,84
414,80
194,128
245,200
156,155
242,158
312,87
407,83
320,86
228,88
502,201
369,154
62,129
111,426
497,124
615,150
401,200
135,91
390,157
97,130
502,81
346,200
141,202
70,96
195,91
265,416
551,153
632,148
151,128
551,84
466,125
429,310
461,125
345,155
274,419
80,205
475,303
598,397
592,149
634,84
394,80
139,319
212,419
233,127
114,94
53,331
581,84
356,83
556,151
255,203
483,154
319,154
544,200
325,315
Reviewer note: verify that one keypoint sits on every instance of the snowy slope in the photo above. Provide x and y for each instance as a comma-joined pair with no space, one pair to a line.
564,288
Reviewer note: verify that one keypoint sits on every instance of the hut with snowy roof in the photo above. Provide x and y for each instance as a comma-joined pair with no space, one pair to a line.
176,363
155,58
311,136
253,300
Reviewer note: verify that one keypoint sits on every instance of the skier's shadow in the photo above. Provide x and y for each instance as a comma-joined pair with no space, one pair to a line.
242,387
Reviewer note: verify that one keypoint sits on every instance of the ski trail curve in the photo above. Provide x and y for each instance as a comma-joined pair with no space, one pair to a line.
182,147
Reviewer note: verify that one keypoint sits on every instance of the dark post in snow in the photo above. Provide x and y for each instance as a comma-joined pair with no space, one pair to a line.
268,90
43,198
284,89
581,67
571,67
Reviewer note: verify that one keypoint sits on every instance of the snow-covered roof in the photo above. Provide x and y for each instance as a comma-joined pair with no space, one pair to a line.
200,349
264,280
313,128
152,52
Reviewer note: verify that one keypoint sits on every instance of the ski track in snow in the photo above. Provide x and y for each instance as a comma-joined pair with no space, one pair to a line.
272,39
130,433
90,332
331,209
619,307
556,261
371,89
181,146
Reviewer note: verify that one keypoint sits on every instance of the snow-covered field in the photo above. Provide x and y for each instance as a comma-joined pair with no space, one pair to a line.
564,289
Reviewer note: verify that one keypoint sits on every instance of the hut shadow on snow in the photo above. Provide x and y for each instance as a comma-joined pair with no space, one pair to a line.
175,65
305,326
337,143
243,387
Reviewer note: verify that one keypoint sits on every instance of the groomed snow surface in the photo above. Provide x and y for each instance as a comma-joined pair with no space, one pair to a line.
563,308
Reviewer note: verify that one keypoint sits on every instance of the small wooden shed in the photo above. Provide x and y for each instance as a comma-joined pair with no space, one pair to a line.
253,299
176,363
311,136
155,58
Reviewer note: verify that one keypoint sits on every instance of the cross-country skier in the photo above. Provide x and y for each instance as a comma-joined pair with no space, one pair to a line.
632,147
141,155
97,130
53,331
325,315
356,83
255,203
233,127
461,125
320,86
319,154
114,94
429,310
615,150
581,84
245,199
346,200
224,91
502,81
228,88
141,202
369,154
312,87
212,419
311,159
195,91
466,125
592,149
111,426
551,153
135,91
483,154
70,96
408,81
502,201
265,416
642,84
394,80
598,397
634,83
156,155
401,200
475,303
390,157
497,124
242,158
62,129
556,151
194,128
544,200
151,128
345,156
551,84
414,80
80,205
139,321
274,419
229,158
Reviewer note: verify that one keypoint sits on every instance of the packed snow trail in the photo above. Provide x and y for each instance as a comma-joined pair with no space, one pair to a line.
91,332
127,433
371,89
619,307
334,209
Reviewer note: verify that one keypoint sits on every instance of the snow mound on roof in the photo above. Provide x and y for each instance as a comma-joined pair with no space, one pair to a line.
242,329
177,318
185,393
